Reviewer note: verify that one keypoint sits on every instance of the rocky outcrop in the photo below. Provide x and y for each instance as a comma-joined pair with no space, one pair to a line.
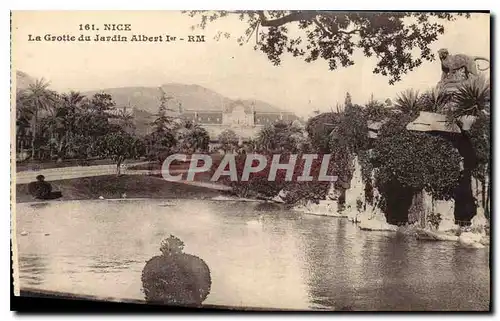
327,207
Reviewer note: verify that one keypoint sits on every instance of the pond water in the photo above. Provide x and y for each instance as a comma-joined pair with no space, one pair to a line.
280,260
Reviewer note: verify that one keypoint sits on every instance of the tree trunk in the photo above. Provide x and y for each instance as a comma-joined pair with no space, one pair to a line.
21,148
487,203
118,168
33,134
483,193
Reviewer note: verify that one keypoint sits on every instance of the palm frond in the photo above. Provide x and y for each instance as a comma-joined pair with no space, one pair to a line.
435,100
472,98
408,101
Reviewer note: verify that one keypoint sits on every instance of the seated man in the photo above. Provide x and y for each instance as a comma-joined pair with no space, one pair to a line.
42,189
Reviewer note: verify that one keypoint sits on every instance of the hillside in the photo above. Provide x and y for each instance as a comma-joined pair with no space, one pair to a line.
144,101
23,80
190,97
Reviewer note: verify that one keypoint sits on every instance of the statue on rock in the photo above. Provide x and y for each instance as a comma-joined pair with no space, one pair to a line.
457,68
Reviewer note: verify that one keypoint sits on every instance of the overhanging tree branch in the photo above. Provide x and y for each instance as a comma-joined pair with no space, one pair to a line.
329,33
294,16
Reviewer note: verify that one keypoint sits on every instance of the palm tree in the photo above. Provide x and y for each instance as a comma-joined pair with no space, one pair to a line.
23,120
37,97
193,137
126,119
409,101
435,100
472,98
72,104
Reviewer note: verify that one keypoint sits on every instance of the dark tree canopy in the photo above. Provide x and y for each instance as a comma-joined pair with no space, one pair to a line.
399,40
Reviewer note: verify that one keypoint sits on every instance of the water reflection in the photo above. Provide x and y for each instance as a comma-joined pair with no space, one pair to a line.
264,259
33,268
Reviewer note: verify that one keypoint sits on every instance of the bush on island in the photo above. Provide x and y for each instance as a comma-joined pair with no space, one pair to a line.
176,278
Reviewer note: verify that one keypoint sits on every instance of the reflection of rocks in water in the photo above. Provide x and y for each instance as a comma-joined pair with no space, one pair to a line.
32,270
175,277
268,206
110,266
39,205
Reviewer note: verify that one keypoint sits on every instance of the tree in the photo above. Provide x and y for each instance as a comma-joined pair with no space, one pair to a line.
192,138
101,103
61,123
174,277
72,104
352,130
126,120
409,102
228,140
472,98
118,146
163,121
89,123
280,137
400,41
348,101
319,128
480,134
376,111
23,121
435,100
159,145
37,98
160,142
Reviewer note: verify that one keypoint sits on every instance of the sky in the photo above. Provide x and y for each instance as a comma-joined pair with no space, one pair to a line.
224,66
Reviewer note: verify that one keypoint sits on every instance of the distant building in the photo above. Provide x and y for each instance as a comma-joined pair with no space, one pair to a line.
239,117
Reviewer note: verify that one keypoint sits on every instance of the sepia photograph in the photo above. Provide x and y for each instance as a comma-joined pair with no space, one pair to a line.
253,160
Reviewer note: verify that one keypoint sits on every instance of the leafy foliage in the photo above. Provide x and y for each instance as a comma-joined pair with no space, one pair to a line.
352,129
228,140
409,102
34,100
280,137
376,111
415,160
472,98
319,129
480,134
434,220
192,138
159,145
300,193
163,121
435,100
171,245
259,185
400,41
120,145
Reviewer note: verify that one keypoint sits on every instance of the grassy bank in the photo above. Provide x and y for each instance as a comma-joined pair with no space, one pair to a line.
111,186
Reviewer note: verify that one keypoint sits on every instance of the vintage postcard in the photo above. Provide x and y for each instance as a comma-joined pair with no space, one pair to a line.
253,160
